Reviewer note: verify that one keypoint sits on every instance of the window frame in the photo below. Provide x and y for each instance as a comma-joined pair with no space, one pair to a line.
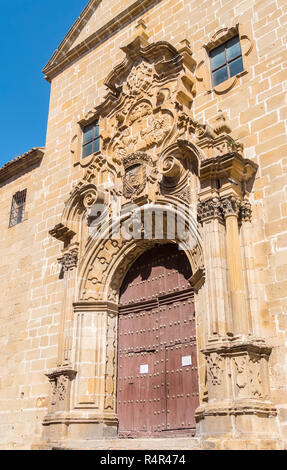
18,207
227,62
93,140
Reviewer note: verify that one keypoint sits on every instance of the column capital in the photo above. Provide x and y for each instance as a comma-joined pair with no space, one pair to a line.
69,260
231,205
210,209
221,207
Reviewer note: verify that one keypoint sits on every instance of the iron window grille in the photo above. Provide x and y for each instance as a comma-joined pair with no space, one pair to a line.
91,139
226,61
18,208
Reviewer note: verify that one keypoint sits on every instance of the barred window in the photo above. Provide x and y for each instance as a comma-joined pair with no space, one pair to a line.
91,139
18,208
226,61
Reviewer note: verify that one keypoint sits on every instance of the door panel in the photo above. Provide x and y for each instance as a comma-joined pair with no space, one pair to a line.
157,388
137,393
182,389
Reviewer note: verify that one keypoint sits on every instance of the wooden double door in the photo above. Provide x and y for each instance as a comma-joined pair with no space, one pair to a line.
157,357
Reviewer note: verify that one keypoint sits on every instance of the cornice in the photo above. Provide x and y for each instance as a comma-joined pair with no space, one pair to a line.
21,163
61,58
231,164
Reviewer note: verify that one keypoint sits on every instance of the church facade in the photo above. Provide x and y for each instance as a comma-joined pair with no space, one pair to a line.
144,249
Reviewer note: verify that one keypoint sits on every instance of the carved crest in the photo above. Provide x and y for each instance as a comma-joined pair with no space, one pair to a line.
135,176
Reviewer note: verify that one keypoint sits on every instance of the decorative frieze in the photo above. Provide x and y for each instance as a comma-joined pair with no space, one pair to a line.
243,362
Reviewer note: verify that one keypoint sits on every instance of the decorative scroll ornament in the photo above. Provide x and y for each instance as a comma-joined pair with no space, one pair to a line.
140,80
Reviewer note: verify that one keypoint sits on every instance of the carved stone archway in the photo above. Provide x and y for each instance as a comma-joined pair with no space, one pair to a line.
155,155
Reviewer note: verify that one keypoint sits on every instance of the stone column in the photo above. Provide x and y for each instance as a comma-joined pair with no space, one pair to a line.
238,391
231,208
61,379
216,298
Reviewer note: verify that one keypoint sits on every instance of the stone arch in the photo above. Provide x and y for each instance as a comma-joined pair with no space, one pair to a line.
108,259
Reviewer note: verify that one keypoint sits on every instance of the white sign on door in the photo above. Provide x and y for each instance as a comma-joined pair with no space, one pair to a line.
186,361
144,369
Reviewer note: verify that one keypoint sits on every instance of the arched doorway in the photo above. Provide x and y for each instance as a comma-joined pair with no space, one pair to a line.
157,359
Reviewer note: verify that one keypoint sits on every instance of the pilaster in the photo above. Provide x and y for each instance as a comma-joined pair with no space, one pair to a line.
89,409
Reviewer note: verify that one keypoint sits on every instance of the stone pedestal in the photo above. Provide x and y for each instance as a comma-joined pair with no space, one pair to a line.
238,384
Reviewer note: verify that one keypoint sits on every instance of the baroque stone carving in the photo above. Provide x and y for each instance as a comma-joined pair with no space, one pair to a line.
246,211
60,381
220,208
255,376
135,174
244,364
230,206
209,209
215,368
69,260
241,367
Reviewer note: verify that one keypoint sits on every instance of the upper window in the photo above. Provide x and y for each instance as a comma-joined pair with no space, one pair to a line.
226,61
91,139
18,208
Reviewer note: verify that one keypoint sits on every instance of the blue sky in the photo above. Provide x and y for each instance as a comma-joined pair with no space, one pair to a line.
31,30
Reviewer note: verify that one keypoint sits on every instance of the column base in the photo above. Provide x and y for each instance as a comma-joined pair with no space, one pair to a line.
60,428
237,420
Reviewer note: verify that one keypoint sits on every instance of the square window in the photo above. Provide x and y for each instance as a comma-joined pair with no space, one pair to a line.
226,61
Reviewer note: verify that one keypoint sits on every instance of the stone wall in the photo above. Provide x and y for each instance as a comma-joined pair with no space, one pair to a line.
254,107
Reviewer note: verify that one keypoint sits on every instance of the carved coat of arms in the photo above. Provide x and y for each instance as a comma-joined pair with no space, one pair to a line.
135,176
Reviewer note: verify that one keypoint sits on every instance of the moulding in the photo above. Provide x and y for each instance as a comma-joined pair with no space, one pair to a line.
21,163
62,58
